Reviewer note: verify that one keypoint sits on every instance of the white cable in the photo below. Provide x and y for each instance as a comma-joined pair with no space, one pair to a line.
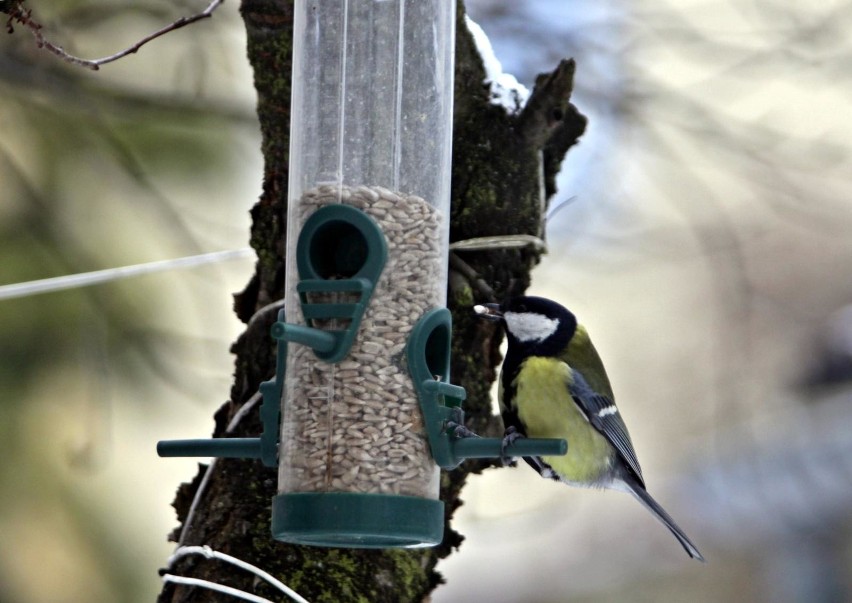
209,553
84,279
499,242
234,592
206,551
243,411
195,500
263,312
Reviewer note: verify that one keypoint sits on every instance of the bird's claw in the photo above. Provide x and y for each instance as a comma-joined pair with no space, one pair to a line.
455,425
509,436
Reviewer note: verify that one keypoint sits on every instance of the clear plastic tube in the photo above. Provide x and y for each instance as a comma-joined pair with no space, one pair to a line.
371,128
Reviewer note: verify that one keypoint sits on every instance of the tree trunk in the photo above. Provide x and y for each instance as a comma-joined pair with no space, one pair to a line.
499,162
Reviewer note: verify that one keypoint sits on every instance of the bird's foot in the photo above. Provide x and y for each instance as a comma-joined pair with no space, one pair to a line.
455,425
509,436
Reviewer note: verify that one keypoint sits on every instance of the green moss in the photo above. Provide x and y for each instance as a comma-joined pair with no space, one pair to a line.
327,575
270,51
407,573
463,297
341,575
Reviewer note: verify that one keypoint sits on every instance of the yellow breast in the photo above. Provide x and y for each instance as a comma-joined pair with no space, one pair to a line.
546,409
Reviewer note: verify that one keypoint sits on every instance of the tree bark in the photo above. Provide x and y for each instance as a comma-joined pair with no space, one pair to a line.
504,168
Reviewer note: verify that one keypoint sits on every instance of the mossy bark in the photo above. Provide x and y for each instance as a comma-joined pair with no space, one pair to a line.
503,172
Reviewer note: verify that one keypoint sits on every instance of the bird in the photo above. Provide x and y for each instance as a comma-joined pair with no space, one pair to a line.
553,385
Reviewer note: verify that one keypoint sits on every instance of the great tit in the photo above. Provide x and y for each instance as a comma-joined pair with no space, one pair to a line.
553,385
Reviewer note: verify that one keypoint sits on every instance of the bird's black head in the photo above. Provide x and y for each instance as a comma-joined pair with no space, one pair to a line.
535,325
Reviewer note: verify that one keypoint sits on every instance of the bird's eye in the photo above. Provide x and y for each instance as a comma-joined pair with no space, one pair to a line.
522,308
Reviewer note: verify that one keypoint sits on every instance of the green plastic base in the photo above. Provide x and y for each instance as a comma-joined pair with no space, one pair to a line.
353,520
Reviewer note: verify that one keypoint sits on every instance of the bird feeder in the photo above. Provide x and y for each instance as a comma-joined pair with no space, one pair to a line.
367,239
364,348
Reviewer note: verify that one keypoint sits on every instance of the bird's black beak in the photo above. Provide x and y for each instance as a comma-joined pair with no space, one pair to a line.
489,311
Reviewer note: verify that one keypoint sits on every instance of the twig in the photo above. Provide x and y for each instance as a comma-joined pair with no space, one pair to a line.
24,16
466,270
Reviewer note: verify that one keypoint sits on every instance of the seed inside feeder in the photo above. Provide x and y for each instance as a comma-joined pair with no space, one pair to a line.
356,426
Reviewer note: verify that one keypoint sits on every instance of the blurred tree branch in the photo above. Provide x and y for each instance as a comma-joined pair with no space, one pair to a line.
24,16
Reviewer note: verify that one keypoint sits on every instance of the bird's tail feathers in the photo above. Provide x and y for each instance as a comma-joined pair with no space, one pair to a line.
654,507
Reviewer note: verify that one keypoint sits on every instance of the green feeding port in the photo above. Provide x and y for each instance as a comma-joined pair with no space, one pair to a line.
428,354
265,447
340,255
338,241
335,249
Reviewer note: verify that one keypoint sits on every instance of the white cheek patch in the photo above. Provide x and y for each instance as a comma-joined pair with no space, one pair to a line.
528,326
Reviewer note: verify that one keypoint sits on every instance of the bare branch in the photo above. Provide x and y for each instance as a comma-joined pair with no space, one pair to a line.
24,16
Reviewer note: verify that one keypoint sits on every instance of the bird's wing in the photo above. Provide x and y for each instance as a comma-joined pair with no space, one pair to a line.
603,414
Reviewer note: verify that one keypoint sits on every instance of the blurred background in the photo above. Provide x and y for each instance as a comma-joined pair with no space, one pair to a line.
702,232
156,156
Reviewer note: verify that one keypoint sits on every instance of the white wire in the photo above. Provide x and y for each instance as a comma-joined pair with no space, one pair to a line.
206,551
499,242
243,411
209,553
234,592
196,499
84,279
263,312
